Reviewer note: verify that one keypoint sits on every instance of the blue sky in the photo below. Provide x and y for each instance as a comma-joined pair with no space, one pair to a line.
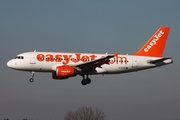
96,27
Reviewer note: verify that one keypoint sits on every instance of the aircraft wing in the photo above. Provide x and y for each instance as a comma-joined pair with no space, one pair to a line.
91,65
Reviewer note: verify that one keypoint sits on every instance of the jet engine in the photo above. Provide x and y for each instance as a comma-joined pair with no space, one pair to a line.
64,72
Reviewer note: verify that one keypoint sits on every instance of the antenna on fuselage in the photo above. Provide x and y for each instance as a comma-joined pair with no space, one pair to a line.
35,50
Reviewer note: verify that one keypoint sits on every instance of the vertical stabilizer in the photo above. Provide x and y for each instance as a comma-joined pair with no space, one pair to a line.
154,47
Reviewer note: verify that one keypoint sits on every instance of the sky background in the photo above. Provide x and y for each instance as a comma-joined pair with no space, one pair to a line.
95,27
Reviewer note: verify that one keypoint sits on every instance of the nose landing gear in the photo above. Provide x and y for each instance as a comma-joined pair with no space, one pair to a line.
32,77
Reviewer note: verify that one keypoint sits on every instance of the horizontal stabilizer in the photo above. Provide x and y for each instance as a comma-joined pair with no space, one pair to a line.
165,60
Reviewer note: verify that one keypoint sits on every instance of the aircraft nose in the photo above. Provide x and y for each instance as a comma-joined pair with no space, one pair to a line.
10,63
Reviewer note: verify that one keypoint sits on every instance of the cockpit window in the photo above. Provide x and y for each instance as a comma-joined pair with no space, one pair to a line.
19,57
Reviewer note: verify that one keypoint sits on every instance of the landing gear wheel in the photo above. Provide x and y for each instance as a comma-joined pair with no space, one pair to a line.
88,80
83,82
31,80
32,77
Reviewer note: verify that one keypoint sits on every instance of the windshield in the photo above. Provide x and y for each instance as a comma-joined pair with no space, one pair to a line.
19,57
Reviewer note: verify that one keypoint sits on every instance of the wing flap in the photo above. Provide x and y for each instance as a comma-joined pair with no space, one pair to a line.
97,62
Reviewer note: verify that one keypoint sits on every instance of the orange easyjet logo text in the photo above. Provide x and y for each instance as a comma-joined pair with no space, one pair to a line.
65,59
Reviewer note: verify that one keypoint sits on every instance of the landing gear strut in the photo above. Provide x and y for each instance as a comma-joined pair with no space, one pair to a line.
86,80
32,77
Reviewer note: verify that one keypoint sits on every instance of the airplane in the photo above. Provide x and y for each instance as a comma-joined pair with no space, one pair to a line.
64,65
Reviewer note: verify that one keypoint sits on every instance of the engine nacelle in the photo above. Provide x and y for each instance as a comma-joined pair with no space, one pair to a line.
64,72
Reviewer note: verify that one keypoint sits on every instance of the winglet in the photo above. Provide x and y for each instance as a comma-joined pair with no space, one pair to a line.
116,54
154,47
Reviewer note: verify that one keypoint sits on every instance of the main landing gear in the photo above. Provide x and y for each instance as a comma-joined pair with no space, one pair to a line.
32,77
86,80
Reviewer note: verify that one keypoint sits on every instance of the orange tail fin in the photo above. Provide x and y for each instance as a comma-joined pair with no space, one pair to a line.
154,47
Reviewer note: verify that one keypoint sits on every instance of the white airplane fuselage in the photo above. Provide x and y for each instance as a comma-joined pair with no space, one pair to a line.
118,64
65,65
